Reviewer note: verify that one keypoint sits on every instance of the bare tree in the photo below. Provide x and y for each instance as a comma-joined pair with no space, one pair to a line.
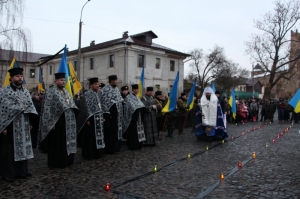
204,64
272,48
229,75
12,35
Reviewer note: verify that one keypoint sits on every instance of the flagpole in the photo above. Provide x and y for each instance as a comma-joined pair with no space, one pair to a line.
184,122
162,131
79,44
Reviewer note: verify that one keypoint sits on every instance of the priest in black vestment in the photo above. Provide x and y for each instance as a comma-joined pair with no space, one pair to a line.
90,122
149,117
113,115
58,124
132,121
16,108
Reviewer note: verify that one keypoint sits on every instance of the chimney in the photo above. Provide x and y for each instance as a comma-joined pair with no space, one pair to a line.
92,43
125,34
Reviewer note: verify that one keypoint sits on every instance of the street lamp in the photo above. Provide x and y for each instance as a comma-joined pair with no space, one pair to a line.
79,44
252,82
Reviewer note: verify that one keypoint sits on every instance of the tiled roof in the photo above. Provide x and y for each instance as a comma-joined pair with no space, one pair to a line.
129,40
29,57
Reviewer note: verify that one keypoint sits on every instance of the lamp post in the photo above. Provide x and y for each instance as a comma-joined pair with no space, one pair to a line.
79,45
252,82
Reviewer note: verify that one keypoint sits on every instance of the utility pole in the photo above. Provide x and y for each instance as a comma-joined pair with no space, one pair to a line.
79,46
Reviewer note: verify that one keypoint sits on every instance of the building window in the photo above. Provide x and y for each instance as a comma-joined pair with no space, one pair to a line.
157,86
91,63
148,40
241,88
172,65
50,69
157,65
75,65
32,73
111,61
141,61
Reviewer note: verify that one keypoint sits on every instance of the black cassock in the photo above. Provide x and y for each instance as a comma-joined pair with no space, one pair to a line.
9,168
57,149
89,149
112,142
131,134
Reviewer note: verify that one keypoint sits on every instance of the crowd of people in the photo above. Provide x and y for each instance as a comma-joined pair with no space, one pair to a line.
102,119
98,120
253,110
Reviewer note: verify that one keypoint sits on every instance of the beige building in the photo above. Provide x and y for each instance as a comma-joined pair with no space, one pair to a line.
126,57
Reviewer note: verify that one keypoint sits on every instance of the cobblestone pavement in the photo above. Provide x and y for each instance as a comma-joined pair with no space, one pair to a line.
274,173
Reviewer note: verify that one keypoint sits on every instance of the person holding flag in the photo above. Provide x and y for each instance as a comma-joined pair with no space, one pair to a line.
58,120
191,101
210,124
15,124
232,104
169,120
160,103
182,112
170,107
295,103
150,117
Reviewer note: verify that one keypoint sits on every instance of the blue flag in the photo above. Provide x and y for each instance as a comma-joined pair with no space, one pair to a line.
212,85
190,100
171,104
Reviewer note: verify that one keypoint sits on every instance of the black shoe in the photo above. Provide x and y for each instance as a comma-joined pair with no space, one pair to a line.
9,179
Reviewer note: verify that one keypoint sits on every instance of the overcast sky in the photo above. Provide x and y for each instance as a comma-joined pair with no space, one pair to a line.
179,24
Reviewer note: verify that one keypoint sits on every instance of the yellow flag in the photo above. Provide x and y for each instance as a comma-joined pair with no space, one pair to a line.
6,81
74,82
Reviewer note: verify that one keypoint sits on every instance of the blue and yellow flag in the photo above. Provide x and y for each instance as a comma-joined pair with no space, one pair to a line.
171,104
141,85
212,85
63,68
14,64
41,85
295,101
232,103
190,100
75,83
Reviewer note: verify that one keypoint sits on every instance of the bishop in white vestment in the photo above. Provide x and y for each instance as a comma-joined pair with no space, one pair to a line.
209,117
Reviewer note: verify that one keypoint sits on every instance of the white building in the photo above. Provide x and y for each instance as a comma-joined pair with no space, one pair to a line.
125,58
